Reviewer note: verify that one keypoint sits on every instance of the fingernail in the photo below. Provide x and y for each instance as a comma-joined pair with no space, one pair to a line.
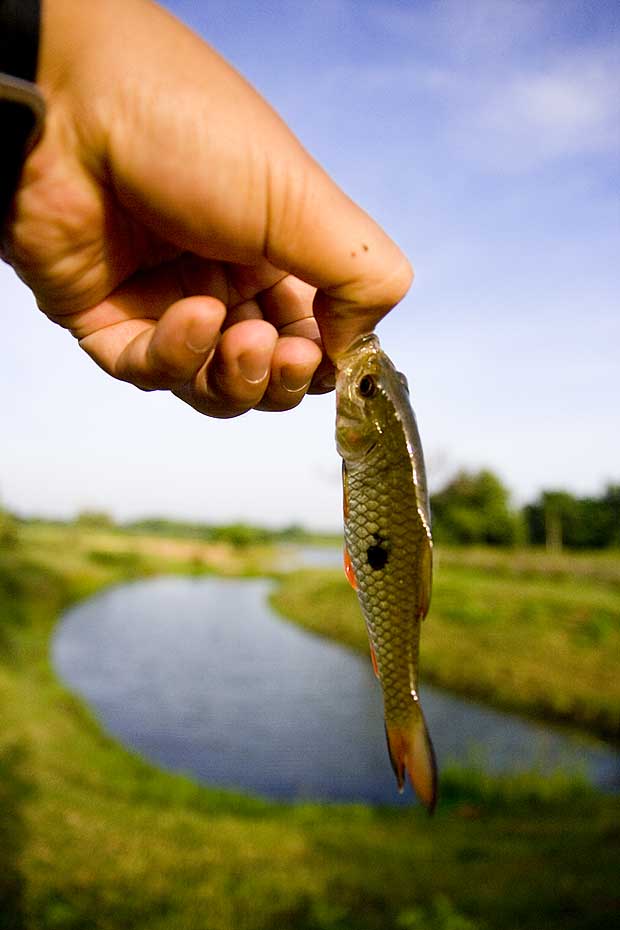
293,379
254,366
199,336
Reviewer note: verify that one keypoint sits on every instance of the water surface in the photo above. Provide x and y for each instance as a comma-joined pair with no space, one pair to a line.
200,676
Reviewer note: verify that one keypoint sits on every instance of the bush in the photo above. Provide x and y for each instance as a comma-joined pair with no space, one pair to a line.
474,508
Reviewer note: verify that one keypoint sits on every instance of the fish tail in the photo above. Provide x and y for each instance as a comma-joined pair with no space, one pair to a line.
411,751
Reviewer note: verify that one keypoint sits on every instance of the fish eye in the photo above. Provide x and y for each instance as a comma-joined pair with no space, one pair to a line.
367,386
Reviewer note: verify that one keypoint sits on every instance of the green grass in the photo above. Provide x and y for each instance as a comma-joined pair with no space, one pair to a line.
527,632
93,838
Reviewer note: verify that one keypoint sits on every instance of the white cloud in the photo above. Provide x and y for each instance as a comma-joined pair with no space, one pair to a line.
530,118
518,117
514,85
460,30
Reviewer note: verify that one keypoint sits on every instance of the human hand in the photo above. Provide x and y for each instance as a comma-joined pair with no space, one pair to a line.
171,221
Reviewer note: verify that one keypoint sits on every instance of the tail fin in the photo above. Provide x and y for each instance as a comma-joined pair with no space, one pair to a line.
411,750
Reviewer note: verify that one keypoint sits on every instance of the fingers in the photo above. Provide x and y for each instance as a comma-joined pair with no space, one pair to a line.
236,378
252,367
288,305
222,360
159,355
294,363
298,365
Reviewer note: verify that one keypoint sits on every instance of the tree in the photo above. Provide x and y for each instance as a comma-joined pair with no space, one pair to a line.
95,519
475,508
558,519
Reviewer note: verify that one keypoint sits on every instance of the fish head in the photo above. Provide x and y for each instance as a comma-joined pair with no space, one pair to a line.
366,384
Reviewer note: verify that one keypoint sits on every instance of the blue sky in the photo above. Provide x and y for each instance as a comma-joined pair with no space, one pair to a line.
485,137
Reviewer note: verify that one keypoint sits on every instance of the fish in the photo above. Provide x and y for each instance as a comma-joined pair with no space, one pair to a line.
388,544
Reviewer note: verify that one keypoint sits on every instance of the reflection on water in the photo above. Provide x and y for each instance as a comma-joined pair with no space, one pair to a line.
200,676
292,557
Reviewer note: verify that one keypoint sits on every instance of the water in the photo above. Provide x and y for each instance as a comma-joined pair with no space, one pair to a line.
292,557
201,677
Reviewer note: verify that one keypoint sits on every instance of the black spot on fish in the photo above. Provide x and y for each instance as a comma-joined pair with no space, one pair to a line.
377,556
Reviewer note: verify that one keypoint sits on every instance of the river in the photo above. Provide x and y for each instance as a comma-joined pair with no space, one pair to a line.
201,677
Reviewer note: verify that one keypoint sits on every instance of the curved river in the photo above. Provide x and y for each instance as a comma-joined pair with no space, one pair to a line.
200,676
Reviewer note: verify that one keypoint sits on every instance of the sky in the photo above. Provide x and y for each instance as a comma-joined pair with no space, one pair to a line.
485,138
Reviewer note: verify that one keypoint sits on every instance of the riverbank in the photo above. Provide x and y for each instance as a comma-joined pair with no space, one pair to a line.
92,837
528,632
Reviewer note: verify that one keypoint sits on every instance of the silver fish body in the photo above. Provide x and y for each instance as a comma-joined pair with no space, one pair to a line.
388,543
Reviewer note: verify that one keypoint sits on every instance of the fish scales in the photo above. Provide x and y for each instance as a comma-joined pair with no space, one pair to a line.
381,502
388,543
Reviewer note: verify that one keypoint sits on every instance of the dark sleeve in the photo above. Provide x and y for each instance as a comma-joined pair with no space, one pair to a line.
19,52
19,38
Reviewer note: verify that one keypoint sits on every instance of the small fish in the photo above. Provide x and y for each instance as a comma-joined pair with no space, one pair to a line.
388,543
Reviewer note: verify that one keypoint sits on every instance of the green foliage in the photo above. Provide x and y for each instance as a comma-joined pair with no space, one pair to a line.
558,519
94,519
472,785
22,581
241,535
474,508
175,529
9,531
441,915
129,562
238,534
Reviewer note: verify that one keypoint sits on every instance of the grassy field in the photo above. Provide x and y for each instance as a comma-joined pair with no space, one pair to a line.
93,838
529,631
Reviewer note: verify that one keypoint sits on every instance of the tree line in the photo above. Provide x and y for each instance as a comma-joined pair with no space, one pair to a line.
474,508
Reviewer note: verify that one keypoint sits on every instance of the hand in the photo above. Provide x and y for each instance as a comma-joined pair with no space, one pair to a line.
171,221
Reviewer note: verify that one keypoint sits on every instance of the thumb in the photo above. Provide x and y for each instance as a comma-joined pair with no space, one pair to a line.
203,159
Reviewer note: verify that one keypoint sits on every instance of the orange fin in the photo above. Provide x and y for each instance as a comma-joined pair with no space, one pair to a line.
373,657
348,569
411,751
